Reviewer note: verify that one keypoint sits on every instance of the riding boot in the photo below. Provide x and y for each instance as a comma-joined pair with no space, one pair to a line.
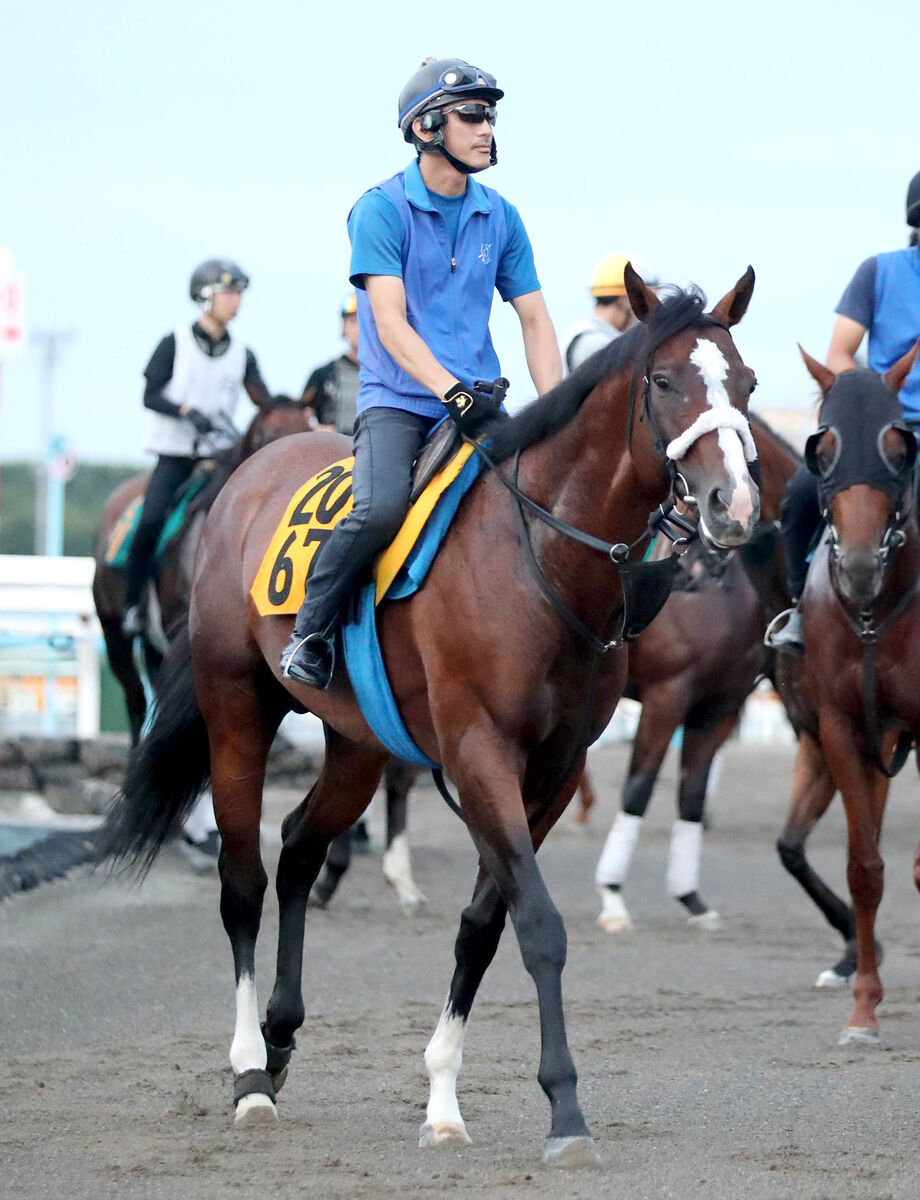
784,633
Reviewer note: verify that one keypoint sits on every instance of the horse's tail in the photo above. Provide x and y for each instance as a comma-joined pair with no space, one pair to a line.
166,773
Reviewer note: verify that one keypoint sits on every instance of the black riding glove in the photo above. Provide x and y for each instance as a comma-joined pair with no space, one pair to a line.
202,422
471,408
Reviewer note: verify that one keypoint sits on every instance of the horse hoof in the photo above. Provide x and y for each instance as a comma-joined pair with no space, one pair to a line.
830,979
614,916
255,1109
855,1035
570,1152
708,921
278,1078
444,1135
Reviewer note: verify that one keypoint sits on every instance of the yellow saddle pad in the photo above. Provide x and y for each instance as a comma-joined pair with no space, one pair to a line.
313,512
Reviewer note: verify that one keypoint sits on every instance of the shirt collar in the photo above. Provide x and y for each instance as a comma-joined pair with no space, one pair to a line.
475,200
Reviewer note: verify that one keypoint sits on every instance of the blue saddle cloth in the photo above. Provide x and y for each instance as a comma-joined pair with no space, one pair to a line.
359,633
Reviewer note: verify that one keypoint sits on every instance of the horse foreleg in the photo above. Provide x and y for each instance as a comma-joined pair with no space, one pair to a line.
120,654
864,791
487,775
338,860
587,798
812,791
397,868
481,926
700,743
343,791
662,711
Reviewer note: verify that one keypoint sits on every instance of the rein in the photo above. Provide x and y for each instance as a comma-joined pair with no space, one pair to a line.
869,632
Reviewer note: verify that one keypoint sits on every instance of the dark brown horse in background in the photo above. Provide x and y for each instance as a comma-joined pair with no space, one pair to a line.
495,680
695,666
854,696
275,418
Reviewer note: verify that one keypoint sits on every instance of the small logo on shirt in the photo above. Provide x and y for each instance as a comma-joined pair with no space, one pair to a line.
485,252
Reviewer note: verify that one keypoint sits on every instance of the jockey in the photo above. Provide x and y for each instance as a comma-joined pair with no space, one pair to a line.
332,389
193,381
883,299
612,314
429,246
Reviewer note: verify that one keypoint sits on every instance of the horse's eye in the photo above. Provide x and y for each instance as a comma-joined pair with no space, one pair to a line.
661,382
753,386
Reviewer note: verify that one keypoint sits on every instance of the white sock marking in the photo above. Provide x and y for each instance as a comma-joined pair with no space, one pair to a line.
613,865
397,871
247,1052
684,858
443,1059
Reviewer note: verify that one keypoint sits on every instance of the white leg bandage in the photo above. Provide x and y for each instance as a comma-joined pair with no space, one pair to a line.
617,854
684,858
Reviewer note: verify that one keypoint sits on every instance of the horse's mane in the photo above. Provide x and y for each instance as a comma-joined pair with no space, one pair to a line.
756,419
552,411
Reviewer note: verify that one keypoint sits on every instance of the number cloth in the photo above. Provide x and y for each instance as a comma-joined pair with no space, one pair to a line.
313,512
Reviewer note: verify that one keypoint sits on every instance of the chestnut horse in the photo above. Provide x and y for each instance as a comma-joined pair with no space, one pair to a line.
505,666
275,419
694,667
853,697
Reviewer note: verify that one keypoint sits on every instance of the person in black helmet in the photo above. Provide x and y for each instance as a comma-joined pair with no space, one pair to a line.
332,389
883,300
430,247
194,380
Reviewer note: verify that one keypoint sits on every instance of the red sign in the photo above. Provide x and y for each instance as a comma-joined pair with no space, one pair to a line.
12,328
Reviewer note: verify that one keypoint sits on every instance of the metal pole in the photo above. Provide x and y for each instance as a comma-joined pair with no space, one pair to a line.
50,341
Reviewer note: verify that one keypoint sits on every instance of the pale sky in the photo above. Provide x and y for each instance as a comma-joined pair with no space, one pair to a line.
136,140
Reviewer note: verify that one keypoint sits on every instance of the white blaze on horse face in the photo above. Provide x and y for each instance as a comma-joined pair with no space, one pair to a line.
247,1052
443,1059
710,362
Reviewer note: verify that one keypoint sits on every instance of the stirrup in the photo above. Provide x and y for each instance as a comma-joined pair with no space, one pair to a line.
784,633
319,673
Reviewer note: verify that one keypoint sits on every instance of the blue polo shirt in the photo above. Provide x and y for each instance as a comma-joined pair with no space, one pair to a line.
884,296
452,254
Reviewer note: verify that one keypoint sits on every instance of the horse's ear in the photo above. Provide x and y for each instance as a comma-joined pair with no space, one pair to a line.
823,376
894,377
733,305
642,300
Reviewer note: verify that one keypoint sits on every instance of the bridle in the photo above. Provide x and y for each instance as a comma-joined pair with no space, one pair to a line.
865,623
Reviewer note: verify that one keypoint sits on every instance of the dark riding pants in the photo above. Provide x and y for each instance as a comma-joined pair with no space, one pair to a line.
168,476
800,516
387,442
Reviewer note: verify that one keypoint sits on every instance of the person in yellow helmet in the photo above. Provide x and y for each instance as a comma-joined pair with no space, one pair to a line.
612,314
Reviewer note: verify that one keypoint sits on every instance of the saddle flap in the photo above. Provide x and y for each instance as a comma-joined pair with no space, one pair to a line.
440,446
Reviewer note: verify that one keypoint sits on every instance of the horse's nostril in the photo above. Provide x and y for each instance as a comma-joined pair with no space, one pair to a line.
716,501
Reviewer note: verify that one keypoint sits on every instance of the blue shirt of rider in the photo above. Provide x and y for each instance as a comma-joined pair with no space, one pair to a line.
452,255
884,296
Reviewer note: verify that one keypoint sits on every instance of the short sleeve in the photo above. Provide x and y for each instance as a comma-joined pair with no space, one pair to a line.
376,238
858,299
517,274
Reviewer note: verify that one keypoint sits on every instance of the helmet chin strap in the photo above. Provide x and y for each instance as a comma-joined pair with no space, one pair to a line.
436,145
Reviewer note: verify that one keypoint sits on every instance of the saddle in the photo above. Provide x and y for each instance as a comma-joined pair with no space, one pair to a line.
118,546
440,447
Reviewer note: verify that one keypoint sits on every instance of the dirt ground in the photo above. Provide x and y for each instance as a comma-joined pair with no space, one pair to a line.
708,1062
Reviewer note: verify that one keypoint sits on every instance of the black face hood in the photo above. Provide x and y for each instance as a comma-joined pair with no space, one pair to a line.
859,410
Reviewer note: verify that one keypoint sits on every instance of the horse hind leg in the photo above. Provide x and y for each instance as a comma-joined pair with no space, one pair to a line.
397,868
240,732
343,791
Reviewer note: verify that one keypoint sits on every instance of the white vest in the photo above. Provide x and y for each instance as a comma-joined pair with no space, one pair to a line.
583,340
212,385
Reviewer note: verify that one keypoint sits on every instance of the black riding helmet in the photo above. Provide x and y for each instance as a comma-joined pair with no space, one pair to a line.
913,201
436,83
216,275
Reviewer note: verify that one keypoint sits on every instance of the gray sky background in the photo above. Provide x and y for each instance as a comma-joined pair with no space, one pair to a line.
136,140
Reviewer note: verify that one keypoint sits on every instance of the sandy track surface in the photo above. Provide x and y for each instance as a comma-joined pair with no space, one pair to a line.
708,1062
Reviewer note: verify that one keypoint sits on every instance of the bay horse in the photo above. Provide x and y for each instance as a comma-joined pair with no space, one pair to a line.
505,665
276,417
695,666
853,696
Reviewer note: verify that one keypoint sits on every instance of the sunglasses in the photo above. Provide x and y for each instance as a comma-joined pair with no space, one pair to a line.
475,114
